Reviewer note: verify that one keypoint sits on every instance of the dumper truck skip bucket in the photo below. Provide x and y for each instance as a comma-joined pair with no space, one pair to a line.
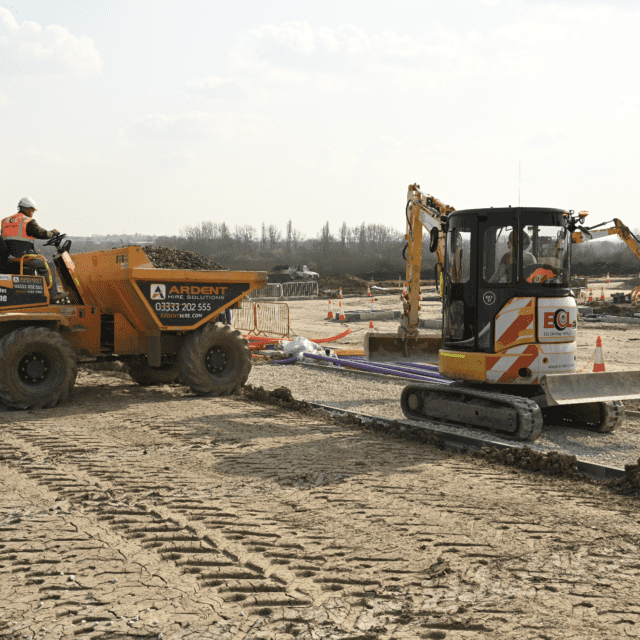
124,281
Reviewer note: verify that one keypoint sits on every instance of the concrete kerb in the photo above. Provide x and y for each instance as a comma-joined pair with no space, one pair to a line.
612,319
283,299
354,316
459,441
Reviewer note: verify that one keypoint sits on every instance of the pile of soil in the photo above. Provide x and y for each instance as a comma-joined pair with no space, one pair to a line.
629,484
350,284
551,463
167,258
610,309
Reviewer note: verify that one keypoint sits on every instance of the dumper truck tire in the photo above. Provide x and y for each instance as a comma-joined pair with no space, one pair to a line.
214,360
38,369
144,374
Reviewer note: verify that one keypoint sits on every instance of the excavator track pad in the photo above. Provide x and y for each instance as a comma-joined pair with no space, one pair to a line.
463,406
602,417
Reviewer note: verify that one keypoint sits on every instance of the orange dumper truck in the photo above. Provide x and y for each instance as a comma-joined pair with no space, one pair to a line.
160,322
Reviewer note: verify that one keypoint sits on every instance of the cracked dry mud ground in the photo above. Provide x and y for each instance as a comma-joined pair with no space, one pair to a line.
137,511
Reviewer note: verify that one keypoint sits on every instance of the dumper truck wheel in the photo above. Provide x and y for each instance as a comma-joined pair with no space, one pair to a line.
145,375
38,369
214,360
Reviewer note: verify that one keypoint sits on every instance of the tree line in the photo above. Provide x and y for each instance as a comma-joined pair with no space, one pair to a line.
366,250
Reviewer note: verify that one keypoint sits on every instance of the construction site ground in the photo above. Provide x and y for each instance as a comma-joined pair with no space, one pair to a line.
148,512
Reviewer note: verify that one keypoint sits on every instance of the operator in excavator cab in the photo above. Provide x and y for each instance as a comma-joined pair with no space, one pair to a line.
19,232
503,272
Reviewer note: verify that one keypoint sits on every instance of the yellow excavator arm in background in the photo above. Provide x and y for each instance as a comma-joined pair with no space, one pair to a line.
618,228
423,210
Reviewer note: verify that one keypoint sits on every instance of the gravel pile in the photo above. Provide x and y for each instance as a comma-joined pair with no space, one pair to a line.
167,258
380,396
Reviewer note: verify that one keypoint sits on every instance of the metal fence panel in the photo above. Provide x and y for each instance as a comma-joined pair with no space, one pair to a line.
271,290
304,288
244,318
262,318
272,318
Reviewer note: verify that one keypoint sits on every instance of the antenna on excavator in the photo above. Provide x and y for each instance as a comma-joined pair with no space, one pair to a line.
519,179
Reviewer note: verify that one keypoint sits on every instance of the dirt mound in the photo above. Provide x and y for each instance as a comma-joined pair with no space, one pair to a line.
552,463
629,484
167,258
610,309
350,284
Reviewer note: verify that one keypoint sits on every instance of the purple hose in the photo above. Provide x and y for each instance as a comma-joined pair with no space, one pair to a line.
412,365
401,368
379,369
287,361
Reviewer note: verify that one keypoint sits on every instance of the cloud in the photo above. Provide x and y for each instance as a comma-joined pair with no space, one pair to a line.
545,42
216,87
198,125
50,49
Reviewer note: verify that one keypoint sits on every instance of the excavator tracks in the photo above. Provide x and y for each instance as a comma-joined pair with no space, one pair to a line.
602,417
463,406
514,416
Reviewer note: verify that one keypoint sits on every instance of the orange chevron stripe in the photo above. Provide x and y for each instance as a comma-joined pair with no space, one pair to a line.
512,334
529,355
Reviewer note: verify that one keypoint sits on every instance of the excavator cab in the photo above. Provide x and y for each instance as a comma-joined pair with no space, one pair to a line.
493,256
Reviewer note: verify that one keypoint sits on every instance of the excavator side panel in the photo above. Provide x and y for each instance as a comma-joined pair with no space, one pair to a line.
522,364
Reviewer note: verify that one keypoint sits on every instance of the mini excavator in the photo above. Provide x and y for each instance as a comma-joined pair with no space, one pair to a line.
509,327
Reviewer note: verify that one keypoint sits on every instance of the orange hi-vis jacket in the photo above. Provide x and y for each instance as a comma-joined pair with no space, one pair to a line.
15,228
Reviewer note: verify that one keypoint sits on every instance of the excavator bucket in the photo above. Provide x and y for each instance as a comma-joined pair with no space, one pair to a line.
390,347
579,388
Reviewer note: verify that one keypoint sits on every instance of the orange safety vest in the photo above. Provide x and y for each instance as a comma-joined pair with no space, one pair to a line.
15,228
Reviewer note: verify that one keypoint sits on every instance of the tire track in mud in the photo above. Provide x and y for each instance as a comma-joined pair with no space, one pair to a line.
304,527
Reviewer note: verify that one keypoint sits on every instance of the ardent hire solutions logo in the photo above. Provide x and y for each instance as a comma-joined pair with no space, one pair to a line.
158,292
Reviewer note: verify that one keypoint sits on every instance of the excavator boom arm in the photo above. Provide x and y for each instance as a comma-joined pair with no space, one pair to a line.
423,211
618,229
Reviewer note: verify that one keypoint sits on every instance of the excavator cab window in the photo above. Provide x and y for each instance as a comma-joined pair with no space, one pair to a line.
549,263
459,253
500,255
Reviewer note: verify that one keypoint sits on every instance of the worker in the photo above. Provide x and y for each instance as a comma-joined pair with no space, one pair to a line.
509,258
19,232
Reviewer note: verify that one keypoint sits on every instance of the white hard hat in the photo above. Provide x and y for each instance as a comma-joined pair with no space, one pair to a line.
27,203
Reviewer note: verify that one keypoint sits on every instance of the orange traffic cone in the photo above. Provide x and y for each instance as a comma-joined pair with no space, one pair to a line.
373,304
602,294
370,324
340,293
598,365
368,291
608,281
341,316
590,295
330,314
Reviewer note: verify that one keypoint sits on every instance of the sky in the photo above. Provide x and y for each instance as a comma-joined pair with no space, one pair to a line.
147,116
